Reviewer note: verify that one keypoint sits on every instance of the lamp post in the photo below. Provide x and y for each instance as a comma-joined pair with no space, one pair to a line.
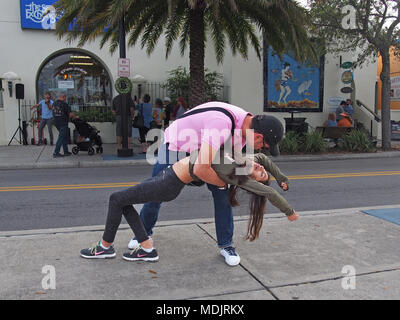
125,151
10,76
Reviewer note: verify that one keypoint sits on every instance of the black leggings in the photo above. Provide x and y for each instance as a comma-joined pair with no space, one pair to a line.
164,187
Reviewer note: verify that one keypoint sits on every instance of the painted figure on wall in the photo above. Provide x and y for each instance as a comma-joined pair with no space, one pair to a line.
284,85
290,85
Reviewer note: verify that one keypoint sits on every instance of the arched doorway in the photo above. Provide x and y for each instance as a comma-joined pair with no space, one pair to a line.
78,73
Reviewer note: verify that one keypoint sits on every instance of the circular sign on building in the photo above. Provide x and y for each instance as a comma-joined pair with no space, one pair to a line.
347,77
123,85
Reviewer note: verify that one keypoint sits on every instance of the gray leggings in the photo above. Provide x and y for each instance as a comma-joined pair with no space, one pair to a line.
164,187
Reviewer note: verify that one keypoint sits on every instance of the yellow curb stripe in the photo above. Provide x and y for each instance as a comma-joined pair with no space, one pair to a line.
131,184
345,175
71,185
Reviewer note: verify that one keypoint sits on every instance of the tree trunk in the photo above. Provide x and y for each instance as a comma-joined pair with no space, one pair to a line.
385,77
196,57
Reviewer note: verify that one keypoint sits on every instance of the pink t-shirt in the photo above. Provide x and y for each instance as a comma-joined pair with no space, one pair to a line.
213,127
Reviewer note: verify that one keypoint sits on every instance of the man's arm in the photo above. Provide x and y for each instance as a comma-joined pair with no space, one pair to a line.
202,167
35,106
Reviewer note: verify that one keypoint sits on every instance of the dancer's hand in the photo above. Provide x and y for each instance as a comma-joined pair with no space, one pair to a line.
293,217
284,186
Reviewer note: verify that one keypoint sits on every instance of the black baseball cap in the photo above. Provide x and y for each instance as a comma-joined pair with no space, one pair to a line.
272,130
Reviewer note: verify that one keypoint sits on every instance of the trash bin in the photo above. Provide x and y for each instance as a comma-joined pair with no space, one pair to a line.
298,125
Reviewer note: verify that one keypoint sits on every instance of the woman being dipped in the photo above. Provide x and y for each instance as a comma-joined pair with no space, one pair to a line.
168,184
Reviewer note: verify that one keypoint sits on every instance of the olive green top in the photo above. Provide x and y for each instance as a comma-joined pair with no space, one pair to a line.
227,165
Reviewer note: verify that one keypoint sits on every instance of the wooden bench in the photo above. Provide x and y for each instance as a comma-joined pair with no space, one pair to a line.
334,132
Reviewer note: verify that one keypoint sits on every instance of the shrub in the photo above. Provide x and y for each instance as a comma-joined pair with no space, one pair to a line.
313,142
356,141
290,143
96,116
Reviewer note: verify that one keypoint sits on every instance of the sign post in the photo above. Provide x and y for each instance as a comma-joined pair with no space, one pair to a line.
123,71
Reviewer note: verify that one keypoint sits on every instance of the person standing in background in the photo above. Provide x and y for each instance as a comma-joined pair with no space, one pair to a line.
168,109
62,113
158,115
340,110
46,106
348,108
146,110
117,110
180,108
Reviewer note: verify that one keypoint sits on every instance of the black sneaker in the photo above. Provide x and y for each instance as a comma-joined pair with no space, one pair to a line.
57,155
139,254
98,252
66,154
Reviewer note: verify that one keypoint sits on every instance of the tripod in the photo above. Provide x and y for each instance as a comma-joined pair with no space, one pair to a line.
19,129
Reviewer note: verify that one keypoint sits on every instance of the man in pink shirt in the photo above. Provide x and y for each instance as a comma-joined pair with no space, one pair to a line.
206,129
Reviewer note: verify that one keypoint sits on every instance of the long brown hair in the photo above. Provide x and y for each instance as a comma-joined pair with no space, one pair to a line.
257,206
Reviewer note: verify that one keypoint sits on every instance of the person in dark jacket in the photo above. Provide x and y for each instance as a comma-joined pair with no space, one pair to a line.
61,114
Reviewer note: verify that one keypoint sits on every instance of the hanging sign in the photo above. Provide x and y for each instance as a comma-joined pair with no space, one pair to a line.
66,84
346,90
347,65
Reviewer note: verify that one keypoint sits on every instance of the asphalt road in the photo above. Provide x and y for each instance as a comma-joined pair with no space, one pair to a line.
315,185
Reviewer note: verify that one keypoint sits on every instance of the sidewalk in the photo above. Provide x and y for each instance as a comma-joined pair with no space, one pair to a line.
34,157
300,260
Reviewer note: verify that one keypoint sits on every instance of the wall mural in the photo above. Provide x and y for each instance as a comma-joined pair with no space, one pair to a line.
290,85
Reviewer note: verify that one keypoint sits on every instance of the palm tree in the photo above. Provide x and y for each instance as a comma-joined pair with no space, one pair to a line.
282,23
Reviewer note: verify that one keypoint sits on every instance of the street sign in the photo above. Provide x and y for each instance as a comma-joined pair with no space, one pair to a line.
347,65
124,68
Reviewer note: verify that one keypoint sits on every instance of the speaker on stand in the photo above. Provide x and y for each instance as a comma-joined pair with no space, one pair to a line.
19,94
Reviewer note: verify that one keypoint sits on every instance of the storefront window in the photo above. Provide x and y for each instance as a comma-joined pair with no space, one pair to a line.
81,76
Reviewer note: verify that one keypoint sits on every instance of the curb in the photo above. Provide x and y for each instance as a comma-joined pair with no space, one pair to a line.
200,221
79,164
143,162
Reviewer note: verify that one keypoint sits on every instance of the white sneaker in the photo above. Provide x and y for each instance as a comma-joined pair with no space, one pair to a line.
133,244
231,257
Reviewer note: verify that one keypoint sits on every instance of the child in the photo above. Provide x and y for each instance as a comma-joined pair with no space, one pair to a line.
331,122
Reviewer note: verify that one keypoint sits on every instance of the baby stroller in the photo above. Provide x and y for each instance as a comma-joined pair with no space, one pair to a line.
86,137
